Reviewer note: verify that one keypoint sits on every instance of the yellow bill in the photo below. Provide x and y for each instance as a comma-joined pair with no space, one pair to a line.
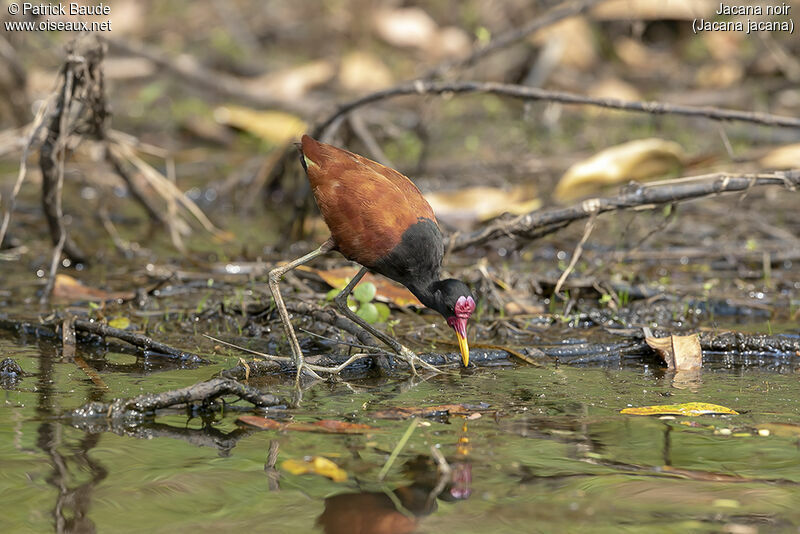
463,346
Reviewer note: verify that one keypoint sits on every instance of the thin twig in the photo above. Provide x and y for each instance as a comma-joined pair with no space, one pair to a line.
576,254
51,277
400,444
320,368
524,92
445,474
33,136
146,405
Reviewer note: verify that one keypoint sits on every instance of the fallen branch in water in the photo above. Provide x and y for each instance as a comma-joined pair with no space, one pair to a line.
207,436
141,341
538,223
204,393
147,345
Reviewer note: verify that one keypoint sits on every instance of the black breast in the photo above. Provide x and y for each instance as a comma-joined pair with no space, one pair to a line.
417,260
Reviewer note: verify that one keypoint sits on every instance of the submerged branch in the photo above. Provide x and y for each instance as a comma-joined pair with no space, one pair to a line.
141,341
142,406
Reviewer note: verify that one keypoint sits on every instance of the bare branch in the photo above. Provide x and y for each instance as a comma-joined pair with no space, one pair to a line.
538,223
511,37
523,92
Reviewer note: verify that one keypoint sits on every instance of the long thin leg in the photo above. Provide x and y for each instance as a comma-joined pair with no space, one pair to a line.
405,353
274,278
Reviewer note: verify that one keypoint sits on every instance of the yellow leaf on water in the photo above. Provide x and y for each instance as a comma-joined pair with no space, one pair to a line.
688,408
318,465
272,126
635,160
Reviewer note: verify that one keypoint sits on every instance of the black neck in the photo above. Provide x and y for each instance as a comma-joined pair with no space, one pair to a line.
429,296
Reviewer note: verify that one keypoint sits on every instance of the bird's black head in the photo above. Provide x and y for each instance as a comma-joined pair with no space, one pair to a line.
453,299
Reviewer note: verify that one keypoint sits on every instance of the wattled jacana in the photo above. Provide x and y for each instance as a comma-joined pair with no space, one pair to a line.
378,218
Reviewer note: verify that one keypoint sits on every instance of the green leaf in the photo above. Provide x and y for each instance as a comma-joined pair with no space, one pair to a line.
368,312
365,292
332,294
383,312
119,322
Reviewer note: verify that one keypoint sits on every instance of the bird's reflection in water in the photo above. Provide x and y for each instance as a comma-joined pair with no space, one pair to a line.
398,511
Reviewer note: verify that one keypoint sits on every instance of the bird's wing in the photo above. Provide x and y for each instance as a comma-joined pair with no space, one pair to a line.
366,205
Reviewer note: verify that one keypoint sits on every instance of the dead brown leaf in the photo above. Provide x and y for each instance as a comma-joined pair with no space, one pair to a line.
263,423
462,208
681,353
67,288
782,157
405,27
634,160
363,72
273,126
387,291
295,82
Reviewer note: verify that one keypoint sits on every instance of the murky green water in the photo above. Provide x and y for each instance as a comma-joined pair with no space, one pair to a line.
550,454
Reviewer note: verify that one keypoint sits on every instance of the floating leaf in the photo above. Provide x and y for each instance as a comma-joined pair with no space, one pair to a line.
681,353
365,292
635,160
318,465
368,312
785,430
69,289
689,408
272,126
330,295
383,312
123,323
